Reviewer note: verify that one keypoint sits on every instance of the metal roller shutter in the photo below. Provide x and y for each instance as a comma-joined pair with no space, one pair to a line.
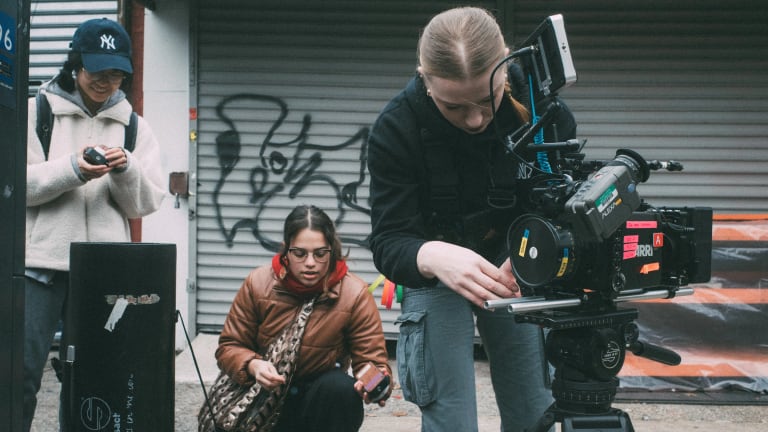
52,24
681,80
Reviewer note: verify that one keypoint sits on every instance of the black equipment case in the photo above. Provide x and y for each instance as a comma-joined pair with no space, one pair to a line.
118,340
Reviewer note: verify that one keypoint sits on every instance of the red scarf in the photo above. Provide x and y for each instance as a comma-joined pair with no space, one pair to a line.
292,284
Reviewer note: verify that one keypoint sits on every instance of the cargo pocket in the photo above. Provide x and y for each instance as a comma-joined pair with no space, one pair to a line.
411,362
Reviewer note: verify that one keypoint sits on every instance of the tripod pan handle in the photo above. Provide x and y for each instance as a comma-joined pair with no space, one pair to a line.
655,353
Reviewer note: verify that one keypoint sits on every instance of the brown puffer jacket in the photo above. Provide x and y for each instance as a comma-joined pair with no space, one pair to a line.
345,327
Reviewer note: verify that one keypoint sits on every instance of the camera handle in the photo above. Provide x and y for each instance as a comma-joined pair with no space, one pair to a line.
527,136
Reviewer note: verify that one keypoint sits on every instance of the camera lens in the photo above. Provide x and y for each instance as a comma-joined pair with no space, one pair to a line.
540,251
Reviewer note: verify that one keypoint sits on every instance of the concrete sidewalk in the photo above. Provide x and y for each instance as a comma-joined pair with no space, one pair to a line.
402,416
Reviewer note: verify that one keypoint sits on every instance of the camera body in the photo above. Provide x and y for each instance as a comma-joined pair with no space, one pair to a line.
587,229
95,156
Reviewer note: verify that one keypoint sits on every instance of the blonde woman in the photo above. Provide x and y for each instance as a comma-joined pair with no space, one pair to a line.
443,193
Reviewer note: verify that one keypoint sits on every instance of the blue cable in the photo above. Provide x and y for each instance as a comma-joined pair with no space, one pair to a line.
541,157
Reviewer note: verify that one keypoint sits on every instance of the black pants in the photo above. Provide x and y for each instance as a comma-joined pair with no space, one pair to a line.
328,403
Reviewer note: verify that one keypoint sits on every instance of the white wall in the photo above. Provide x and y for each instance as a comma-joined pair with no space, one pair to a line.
166,108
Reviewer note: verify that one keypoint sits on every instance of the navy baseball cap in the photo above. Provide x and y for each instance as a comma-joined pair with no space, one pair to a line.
103,44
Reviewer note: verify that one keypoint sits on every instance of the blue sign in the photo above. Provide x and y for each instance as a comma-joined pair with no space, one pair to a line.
7,57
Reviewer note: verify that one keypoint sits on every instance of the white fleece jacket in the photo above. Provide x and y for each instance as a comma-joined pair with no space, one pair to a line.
61,208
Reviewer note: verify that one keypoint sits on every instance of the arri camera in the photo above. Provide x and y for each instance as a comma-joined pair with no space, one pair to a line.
590,234
586,243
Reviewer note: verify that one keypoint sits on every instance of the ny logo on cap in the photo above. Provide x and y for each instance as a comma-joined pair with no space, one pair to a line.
107,41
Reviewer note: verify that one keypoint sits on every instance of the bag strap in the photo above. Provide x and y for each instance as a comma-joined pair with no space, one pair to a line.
283,352
44,126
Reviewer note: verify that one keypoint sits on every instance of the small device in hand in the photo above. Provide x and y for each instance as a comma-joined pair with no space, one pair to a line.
375,382
95,156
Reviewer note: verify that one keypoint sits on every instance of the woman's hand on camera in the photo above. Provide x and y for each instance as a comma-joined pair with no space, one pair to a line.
466,272
509,278
264,373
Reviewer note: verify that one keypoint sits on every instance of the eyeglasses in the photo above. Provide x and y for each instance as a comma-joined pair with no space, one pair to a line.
113,77
301,254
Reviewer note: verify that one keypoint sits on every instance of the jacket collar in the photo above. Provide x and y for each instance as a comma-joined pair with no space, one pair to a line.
333,293
64,103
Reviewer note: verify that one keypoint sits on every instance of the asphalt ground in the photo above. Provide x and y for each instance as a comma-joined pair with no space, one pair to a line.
402,416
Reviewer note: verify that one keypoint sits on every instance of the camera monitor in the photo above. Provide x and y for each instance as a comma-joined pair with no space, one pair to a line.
550,64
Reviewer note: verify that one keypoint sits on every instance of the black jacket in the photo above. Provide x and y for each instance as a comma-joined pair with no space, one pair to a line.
406,140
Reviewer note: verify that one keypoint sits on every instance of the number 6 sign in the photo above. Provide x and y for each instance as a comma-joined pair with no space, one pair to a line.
7,60
7,33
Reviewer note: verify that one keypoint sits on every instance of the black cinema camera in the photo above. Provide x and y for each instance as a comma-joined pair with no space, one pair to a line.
585,232
589,232
586,242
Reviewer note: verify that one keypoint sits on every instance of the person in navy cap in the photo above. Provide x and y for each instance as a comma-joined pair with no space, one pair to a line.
72,197
103,45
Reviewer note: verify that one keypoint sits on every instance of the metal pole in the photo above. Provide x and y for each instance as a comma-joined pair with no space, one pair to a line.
532,304
14,86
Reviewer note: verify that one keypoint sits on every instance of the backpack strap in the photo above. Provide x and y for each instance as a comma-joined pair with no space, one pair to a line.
44,122
44,126
130,132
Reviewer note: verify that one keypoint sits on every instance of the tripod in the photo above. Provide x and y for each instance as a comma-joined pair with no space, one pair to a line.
587,350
